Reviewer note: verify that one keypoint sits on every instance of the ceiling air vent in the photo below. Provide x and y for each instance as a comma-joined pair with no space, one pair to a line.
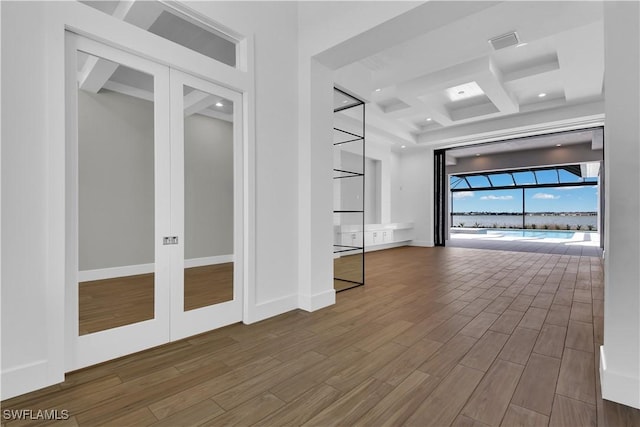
505,40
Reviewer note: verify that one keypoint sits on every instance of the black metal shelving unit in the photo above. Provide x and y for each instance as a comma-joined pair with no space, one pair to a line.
349,264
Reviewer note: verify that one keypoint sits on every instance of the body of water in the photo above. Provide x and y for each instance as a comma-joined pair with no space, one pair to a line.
543,234
506,221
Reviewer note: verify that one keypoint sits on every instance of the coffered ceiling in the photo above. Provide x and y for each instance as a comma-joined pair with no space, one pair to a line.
450,82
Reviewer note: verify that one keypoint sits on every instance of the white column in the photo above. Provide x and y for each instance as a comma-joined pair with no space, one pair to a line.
620,354
315,172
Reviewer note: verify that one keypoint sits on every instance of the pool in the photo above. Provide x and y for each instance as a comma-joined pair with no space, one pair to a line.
539,234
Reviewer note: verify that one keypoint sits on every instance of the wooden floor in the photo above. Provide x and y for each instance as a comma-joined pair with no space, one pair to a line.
437,337
110,303
348,272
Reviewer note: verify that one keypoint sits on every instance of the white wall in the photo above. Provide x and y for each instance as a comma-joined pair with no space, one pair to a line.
620,354
396,211
415,194
274,27
209,187
24,201
116,212
381,153
351,191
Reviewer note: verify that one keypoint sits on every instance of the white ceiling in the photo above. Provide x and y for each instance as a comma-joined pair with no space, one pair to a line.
561,55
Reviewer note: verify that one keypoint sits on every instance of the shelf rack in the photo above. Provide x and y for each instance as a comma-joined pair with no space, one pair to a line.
348,265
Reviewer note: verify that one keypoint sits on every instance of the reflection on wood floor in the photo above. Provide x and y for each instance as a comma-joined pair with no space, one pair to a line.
110,303
207,285
348,268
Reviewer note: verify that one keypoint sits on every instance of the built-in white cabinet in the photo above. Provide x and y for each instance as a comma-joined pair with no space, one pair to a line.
375,236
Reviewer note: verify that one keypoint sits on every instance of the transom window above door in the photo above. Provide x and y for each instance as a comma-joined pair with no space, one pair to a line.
167,22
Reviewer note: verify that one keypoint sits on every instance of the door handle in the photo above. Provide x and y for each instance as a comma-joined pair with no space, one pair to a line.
170,240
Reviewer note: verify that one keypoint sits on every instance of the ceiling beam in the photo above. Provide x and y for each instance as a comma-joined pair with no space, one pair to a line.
129,90
492,83
216,115
411,24
567,117
581,53
196,101
97,71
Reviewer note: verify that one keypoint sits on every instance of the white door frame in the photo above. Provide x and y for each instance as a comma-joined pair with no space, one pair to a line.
244,213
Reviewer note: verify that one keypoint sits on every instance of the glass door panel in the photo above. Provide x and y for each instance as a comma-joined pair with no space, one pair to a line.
116,198
118,176
208,199
207,182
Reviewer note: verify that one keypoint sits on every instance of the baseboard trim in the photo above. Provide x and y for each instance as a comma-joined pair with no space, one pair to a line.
317,301
422,243
132,270
271,308
210,260
25,378
617,387
113,272
386,246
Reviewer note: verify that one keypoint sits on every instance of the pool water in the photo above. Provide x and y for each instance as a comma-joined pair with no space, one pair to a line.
541,234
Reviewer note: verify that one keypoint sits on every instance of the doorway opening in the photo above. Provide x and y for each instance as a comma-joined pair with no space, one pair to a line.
535,194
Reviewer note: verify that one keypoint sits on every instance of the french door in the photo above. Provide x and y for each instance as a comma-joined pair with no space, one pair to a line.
154,204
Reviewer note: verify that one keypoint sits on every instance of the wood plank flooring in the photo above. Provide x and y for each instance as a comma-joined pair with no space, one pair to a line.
347,270
437,337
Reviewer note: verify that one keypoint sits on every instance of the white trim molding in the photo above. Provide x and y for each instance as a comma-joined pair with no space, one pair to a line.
210,260
618,387
132,270
317,301
113,272
25,378
382,246
422,243
271,308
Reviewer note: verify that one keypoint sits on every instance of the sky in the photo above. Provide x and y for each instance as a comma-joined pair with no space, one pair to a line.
563,199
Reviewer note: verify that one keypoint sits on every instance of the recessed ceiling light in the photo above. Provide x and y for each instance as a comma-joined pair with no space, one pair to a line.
378,90
403,146
464,91
477,154
219,104
542,95
558,145
428,119
345,101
